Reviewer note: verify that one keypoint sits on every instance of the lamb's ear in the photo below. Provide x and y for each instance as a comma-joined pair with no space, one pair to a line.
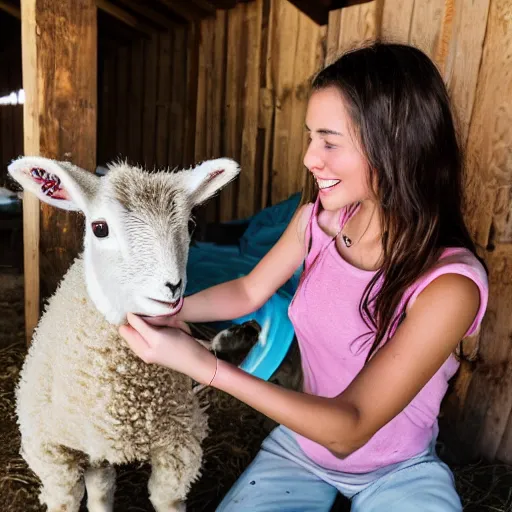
60,184
207,178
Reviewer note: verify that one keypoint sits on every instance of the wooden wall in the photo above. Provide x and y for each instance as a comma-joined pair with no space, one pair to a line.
471,42
255,65
145,99
233,85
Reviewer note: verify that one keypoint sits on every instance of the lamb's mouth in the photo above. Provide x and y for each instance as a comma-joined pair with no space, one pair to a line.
174,306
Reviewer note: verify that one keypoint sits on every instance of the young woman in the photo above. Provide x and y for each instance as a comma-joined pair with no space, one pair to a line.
391,284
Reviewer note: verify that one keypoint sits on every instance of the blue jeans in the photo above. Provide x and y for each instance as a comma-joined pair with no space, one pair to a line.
283,479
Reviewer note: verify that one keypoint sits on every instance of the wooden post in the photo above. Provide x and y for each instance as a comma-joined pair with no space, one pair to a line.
59,39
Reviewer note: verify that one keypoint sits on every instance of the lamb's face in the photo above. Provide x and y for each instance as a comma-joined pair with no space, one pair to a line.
136,236
136,243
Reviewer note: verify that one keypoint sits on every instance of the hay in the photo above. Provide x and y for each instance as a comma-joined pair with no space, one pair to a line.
236,434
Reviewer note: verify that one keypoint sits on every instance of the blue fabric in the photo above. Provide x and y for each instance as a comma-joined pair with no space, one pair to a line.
210,264
283,478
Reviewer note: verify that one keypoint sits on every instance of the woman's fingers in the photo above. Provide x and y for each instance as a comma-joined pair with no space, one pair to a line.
140,325
135,341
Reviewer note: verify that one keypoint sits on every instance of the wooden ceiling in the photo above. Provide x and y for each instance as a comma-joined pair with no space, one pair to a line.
148,15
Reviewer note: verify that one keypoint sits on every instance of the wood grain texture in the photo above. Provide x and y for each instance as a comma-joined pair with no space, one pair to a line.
490,136
59,75
248,192
488,403
350,27
396,20
151,49
235,72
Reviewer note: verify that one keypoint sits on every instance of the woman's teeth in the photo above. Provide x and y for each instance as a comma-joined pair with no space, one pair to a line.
323,184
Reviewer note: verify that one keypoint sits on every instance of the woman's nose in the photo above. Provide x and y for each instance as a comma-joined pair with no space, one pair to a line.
312,159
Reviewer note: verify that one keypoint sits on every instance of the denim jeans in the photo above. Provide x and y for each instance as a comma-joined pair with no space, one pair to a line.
282,478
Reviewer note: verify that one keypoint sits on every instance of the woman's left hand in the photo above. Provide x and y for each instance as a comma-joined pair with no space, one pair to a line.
169,347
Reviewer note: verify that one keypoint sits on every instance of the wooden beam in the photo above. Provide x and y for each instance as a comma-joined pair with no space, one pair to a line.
10,9
205,6
59,79
187,10
154,16
224,4
318,11
127,18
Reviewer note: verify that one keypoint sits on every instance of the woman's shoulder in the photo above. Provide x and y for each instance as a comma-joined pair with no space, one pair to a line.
457,261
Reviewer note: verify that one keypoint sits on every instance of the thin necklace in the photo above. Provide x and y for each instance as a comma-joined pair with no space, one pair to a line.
348,241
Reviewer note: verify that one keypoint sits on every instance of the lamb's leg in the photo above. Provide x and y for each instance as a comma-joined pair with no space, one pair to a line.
60,472
100,482
173,470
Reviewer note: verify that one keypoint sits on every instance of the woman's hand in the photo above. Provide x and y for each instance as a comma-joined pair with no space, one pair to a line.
170,347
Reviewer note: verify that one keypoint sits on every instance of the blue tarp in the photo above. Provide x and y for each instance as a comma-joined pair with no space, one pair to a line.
210,264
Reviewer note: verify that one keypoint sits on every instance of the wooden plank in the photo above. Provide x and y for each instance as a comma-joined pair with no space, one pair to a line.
396,20
103,101
187,10
178,96
356,25
333,35
193,35
204,61
163,99
121,99
31,208
136,92
204,131
489,167
502,216
427,21
156,17
489,400
247,181
266,103
285,48
216,102
310,58
460,56
149,114
59,79
124,16
236,59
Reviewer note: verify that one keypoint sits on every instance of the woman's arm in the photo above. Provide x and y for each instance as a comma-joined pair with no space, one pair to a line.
239,297
435,324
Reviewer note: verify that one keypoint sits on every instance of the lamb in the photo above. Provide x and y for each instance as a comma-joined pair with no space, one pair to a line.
85,402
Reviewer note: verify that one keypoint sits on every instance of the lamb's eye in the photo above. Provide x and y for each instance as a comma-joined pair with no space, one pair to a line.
100,228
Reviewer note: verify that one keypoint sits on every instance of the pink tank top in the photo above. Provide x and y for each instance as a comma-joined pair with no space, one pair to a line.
333,341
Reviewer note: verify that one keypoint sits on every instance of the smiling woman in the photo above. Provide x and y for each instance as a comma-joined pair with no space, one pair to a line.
379,310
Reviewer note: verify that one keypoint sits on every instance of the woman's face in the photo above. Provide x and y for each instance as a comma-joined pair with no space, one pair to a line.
333,156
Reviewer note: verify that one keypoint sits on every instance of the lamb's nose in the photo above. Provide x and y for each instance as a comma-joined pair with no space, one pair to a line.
173,287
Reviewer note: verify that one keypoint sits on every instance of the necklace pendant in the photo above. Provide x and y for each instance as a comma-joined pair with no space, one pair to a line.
346,240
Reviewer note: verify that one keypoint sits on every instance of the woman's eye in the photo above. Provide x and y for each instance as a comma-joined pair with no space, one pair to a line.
329,146
100,228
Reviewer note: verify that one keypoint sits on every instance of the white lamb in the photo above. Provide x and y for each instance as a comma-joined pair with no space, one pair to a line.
84,401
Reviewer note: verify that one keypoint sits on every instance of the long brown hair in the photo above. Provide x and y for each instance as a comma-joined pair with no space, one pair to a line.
400,112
